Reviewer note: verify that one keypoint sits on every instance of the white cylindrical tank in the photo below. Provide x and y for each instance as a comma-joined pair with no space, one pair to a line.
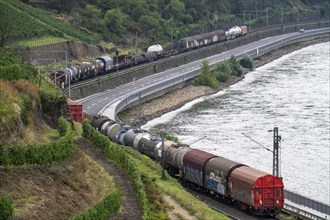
155,48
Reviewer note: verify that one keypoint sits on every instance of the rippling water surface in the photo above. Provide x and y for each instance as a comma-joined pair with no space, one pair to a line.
291,93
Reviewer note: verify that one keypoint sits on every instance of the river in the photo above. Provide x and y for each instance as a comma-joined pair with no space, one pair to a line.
291,93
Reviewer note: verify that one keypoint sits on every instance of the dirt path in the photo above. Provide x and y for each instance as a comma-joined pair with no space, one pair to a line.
129,205
178,212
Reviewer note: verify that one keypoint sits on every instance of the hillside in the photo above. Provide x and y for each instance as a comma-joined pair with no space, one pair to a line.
140,23
48,171
50,174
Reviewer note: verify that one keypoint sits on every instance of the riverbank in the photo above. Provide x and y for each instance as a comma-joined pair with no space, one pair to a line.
139,115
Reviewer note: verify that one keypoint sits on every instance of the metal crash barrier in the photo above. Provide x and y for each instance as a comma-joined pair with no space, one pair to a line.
306,202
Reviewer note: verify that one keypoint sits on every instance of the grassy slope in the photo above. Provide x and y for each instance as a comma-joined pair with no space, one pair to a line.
57,191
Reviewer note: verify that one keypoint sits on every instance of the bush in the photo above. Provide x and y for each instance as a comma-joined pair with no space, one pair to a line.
223,71
39,154
206,77
117,154
102,210
6,208
236,68
247,62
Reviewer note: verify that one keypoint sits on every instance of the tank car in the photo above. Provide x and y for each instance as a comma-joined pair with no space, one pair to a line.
147,145
130,136
107,63
155,48
98,122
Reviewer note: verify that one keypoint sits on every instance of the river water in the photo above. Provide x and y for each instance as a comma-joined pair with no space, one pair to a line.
291,93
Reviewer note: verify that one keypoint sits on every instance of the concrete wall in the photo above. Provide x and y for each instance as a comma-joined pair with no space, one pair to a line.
74,50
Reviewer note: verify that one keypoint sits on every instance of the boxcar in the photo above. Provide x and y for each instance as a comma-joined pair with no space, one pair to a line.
217,172
193,165
256,189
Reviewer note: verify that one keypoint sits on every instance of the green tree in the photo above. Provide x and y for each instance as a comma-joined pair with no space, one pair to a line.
114,21
93,18
148,23
247,62
206,76
235,66
223,71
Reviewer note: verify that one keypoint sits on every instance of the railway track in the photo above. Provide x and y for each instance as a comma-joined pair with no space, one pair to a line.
221,206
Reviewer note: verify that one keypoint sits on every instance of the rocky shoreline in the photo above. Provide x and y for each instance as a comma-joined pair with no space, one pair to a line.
139,115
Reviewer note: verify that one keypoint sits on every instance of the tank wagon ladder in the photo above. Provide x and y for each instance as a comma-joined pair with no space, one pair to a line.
305,208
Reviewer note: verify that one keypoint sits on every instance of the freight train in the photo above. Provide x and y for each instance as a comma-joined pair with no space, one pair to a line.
107,64
246,187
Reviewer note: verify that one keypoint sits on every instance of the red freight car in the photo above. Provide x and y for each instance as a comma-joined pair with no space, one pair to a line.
256,190
193,165
76,110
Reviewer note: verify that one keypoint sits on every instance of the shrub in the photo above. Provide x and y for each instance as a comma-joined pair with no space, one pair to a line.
117,154
102,210
206,76
236,68
39,154
247,62
6,208
223,71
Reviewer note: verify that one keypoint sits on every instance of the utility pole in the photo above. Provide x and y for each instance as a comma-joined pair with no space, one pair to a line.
277,139
275,151
267,16
163,157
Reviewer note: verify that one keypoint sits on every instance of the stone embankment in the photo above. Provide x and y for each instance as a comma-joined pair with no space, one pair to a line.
140,114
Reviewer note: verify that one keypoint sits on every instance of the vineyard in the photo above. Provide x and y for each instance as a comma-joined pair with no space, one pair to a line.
28,22
22,26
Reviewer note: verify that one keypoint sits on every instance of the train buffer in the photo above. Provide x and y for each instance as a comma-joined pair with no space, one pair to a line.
305,208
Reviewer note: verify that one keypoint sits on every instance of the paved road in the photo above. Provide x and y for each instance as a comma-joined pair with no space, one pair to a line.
105,102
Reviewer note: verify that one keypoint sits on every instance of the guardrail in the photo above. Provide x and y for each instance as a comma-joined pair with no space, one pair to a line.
303,201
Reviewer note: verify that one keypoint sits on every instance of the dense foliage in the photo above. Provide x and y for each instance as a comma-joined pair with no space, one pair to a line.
247,62
206,76
143,22
102,210
222,71
118,155
13,68
6,208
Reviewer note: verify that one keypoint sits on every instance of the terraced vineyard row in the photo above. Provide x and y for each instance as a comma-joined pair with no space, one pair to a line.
34,22
22,26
